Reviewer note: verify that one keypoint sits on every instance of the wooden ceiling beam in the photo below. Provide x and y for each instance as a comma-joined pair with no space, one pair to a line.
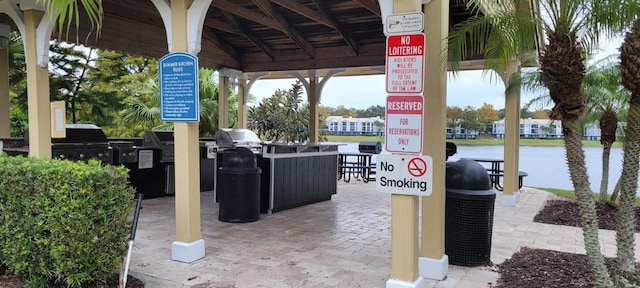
231,52
267,8
305,11
222,26
240,11
327,13
247,33
370,5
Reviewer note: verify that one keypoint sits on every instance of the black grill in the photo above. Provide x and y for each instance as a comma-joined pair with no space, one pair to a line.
162,140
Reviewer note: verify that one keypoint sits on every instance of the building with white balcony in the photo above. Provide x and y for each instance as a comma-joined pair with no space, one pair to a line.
532,128
339,125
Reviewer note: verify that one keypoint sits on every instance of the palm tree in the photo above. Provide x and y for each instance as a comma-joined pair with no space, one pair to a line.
143,109
506,34
606,103
629,70
605,99
68,14
626,20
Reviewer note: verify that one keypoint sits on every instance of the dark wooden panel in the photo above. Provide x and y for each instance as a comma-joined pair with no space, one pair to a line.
298,181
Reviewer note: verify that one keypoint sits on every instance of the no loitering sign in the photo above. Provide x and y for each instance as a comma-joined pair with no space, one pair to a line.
403,123
405,63
404,174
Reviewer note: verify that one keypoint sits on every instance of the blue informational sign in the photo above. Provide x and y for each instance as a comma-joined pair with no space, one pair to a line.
179,101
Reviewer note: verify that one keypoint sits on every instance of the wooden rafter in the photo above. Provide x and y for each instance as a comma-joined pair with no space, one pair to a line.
301,41
222,26
304,11
238,10
327,13
247,33
209,34
370,5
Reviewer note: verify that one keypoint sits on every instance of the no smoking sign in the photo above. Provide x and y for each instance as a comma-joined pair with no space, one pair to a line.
404,174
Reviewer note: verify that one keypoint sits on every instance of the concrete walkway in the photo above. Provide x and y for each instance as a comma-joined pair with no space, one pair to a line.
344,242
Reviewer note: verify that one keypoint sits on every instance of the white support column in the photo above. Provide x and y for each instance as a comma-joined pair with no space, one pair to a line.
404,208
313,96
511,191
434,263
37,33
183,21
5,114
225,77
243,95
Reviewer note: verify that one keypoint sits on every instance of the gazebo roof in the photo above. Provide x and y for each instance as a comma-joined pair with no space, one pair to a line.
261,35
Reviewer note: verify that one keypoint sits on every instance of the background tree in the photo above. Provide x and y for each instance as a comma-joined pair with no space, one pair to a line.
281,117
345,112
454,117
470,121
487,114
143,110
373,111
68,66
17,86
606,100
540,114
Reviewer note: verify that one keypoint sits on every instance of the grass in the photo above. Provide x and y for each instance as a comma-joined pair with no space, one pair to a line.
570,194
469,142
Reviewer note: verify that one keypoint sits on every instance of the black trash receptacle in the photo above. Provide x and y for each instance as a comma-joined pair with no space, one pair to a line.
469,212
370,147
238,186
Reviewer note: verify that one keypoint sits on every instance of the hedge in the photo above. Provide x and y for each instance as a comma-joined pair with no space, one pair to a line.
62,222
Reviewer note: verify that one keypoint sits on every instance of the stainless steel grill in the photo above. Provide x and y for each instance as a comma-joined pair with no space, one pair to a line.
162,140
229,138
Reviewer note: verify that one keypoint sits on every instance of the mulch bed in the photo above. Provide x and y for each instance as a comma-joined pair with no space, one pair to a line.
563,212
546,268
10,281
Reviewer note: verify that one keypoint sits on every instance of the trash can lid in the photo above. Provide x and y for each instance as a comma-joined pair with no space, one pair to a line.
466,175
239,157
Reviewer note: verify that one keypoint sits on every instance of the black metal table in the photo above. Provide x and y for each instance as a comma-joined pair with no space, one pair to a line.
496,171
358,165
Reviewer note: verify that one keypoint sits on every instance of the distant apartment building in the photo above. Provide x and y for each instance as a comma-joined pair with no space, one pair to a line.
459,132
339,125
532,128
545,128
529,128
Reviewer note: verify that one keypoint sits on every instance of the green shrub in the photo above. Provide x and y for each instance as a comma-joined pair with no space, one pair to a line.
61,221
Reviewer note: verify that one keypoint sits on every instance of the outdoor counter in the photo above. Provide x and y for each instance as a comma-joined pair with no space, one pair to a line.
296,174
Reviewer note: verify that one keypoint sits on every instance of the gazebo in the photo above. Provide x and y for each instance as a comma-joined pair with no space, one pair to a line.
248,40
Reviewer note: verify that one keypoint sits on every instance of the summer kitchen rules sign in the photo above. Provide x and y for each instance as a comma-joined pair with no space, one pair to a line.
179,99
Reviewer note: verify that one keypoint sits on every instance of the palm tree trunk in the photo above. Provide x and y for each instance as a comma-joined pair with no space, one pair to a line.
629,184
629,64
614,193
586,202
604,182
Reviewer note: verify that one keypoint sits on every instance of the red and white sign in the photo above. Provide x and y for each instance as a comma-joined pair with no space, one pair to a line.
405,63
403,123
404,174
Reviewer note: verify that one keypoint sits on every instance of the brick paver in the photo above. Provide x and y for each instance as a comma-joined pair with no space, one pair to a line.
344,242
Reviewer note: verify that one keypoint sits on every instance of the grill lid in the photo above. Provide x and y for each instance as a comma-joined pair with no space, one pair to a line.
228,137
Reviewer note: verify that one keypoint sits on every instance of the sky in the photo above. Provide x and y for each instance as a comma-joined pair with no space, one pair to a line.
468,88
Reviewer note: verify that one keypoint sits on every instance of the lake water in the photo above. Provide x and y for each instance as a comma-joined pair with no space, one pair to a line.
546,166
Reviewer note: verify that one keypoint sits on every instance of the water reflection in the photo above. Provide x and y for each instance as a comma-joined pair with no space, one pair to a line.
547,166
